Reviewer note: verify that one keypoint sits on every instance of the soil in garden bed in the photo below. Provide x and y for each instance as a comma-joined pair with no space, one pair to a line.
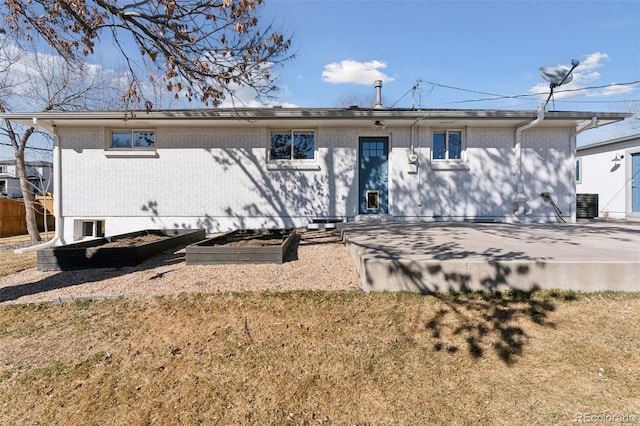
123,250
254,238
134,241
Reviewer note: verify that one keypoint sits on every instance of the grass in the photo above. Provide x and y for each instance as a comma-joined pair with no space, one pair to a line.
322,358
11,262
545,357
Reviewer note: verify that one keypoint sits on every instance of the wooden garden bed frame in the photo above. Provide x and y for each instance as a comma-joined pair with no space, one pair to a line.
92,254
221,250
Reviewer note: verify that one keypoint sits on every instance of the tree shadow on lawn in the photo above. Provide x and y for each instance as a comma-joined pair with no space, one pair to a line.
491,321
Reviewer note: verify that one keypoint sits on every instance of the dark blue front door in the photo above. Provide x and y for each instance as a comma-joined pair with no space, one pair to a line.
635,182
373,175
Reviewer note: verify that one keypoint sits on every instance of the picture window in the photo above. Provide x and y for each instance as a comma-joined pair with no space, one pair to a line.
292,145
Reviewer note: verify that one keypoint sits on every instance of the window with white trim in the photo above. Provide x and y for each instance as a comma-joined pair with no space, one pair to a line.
292,145
132,139
88,229
447,145
3,188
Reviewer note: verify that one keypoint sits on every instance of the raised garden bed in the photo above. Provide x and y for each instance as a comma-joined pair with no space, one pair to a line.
242,246
116,251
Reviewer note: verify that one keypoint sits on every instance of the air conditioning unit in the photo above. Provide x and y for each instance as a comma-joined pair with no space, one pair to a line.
586,206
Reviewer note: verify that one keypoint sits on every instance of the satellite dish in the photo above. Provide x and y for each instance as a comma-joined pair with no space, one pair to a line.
556,75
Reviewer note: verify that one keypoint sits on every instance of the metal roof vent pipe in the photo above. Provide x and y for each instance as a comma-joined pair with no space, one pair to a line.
378,86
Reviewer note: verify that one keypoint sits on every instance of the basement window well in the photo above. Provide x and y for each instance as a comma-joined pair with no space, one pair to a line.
88,229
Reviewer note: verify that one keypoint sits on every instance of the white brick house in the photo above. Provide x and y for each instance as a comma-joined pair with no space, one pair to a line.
611,169
224,169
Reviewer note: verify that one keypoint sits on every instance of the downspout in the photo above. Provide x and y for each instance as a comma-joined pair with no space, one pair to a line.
57,196
520,199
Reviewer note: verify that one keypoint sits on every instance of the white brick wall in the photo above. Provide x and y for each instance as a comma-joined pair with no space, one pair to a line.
218,178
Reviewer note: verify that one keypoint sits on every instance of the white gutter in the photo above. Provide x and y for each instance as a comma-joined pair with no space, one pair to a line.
57,196
520,198
592,124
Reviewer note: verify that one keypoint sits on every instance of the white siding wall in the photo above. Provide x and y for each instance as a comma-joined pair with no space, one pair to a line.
609,179
218,179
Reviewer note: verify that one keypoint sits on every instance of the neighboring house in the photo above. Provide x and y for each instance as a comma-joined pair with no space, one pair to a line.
611,169
223,169
39,174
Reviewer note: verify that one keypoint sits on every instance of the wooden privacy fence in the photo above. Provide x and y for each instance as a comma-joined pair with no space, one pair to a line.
13,215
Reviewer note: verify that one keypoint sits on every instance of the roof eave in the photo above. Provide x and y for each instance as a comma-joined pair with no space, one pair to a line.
318,115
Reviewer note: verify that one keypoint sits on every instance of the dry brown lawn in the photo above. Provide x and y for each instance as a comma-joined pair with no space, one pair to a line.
343,358
317,357
15,262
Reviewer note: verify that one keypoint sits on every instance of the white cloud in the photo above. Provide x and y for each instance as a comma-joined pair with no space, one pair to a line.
350,71
247,97
593,61
586,71
27,71
613,90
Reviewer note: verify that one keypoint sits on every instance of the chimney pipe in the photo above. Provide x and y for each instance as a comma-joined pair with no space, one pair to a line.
378,86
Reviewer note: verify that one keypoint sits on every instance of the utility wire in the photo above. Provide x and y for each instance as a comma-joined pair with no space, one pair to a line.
412,89
29,147
600,102
499,97
402,97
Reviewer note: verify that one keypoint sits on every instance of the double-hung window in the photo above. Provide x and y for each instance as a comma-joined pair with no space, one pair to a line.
292,145
133,139
447,145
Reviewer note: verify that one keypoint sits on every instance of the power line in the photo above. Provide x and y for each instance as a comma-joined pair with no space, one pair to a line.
600,102
412,89
496,97
30,147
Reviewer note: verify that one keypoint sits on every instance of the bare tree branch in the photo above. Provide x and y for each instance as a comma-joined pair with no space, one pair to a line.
46,83
202,47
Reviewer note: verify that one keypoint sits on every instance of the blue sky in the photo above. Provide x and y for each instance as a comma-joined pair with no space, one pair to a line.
460,52
494,47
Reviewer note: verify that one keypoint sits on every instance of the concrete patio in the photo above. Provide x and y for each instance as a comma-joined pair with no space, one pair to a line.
445,256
